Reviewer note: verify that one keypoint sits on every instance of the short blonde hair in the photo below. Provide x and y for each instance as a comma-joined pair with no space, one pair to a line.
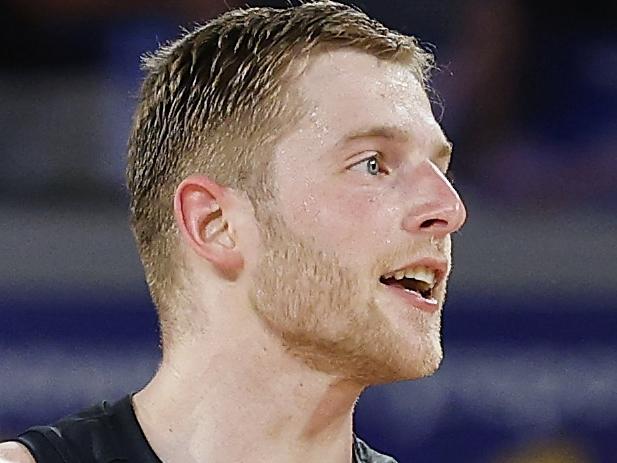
214,102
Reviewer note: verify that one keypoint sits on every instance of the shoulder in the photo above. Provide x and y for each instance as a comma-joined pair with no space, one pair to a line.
365,454
14,452
72,438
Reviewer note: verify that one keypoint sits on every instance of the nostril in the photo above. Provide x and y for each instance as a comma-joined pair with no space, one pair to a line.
431,223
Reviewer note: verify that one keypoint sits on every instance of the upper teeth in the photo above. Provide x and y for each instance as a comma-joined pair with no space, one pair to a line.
419,273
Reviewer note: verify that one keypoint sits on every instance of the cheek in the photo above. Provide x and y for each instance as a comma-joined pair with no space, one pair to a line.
363,217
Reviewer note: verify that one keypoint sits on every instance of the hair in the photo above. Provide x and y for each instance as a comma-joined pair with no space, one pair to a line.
215,101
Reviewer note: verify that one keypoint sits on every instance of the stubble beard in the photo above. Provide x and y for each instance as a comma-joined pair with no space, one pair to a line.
324,315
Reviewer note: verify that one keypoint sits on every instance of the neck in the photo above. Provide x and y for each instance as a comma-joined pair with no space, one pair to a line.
243,398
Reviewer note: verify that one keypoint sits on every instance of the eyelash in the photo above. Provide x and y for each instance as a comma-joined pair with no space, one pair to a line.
378,158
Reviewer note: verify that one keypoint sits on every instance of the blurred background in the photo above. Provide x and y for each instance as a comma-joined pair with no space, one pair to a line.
527,92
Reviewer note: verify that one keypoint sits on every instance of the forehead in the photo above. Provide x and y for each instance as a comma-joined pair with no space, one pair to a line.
346,90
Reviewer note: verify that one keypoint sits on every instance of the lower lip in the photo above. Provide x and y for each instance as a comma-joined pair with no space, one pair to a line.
415,299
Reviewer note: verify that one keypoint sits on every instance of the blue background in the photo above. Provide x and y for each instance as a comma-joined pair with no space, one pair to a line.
528,93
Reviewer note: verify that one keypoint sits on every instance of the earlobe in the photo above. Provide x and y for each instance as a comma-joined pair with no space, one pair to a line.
203,225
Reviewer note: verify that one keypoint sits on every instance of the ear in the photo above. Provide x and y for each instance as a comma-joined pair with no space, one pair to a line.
200,211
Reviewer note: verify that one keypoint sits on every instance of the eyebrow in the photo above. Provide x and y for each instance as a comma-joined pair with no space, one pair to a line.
383,131
390,132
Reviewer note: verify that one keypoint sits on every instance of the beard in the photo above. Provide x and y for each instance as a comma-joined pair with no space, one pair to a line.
326,315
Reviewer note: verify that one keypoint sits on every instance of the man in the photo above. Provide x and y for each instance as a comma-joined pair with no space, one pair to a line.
291,211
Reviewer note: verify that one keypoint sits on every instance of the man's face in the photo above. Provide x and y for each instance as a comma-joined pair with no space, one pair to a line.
361,193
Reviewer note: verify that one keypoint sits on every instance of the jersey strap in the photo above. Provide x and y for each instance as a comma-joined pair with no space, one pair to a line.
46,445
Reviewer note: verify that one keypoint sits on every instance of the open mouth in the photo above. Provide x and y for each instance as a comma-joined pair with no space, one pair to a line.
420,279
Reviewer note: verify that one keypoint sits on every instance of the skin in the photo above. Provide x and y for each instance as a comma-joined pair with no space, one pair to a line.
354,227
292,322
13,452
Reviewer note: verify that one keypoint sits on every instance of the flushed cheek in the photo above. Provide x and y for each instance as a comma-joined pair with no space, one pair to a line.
363,217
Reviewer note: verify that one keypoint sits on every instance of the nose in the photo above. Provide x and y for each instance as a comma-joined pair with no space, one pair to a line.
435,207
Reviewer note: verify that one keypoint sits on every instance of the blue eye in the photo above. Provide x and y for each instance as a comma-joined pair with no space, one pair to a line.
373,165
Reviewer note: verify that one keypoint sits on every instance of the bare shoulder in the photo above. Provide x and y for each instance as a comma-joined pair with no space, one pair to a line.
14,452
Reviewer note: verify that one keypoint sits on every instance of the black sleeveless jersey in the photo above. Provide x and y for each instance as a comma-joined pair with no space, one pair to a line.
110,433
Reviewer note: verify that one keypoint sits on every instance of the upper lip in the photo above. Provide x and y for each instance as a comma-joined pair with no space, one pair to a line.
439,266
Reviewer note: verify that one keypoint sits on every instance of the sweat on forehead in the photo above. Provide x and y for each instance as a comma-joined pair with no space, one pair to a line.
351,94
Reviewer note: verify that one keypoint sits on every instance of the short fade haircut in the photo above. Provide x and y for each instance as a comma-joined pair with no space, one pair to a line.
215,101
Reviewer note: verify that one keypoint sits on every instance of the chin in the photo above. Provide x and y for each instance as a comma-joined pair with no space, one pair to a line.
429,357
409,367
431,363
421,360
426,367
